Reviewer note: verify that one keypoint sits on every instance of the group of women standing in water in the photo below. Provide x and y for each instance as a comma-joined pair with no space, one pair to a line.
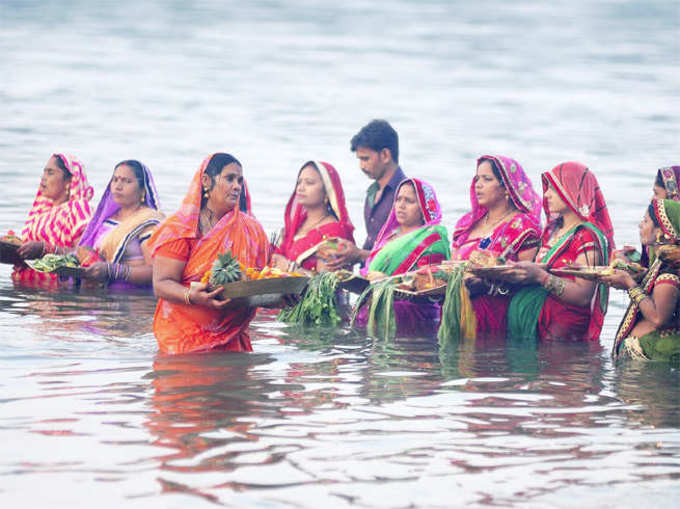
133,245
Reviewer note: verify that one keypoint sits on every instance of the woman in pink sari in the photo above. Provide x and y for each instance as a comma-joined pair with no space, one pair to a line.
58,218
504,223
315,213
579,232
412,237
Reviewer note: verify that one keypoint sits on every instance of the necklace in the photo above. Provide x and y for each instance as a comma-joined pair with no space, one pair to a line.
206,220
302,232
486,237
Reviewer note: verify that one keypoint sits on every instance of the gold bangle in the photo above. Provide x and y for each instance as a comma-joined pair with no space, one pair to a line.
555,285
187,296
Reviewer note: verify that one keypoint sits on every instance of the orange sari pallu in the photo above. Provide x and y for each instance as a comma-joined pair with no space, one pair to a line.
181,328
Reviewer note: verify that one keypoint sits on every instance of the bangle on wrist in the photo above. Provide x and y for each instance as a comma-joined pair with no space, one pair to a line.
555,285
187,296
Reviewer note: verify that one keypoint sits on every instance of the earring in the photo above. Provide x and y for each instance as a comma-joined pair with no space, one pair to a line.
205,194
143,198
659,236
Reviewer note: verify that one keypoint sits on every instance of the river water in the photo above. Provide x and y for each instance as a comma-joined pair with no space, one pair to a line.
91,415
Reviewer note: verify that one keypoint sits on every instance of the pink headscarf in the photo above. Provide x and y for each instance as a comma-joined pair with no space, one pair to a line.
519,187
429,208
580,191
63,224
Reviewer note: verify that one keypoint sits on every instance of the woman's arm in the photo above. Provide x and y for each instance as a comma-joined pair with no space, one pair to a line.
577,292
167,274
657,308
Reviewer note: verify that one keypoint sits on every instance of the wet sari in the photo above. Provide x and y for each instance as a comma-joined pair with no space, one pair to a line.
303,250
519,232
120,242
394,254
533,312
662,344
59,226
182,328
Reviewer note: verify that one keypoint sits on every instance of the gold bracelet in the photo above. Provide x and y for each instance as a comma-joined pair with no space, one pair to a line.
555,285
635,291
187,296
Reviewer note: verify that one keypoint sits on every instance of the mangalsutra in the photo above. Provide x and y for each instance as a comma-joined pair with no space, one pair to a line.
207,219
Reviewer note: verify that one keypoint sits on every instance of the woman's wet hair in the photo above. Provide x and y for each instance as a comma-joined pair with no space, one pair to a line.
495,170
62,166
215,166
659,180
137,169
652,215
218,162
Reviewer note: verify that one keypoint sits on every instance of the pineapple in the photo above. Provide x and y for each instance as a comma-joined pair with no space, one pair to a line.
226,269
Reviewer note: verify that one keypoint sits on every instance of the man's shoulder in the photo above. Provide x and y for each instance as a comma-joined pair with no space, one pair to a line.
397,177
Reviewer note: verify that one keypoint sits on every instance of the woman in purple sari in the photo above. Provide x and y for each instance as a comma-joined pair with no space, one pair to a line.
125,218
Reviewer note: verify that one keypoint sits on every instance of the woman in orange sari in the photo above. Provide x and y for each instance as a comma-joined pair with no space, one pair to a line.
189,317
316,212
58,218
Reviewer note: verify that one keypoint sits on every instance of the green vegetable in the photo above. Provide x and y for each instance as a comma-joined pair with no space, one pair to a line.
225,269
318,304
51,262
449,327
381,318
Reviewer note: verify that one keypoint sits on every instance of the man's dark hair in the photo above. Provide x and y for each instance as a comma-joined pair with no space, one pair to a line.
377,135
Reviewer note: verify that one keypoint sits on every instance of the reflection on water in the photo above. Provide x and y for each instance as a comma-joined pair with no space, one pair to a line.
319,415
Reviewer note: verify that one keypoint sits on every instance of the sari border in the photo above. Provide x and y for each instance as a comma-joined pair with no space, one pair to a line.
629,316
664,220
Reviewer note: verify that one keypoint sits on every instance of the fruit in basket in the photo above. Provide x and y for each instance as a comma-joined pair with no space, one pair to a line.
11,238
483,259
429,277
226,269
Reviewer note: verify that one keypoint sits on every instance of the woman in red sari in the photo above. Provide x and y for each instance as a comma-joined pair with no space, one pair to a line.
315,213
579,232
504,223
210,221
58,218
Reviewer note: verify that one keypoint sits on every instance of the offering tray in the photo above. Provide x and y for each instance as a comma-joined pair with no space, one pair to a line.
488,272
435,293
280,286
74,272
584,272
354,283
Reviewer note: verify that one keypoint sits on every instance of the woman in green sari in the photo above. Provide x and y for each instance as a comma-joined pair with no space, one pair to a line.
412,237
650,329
578,232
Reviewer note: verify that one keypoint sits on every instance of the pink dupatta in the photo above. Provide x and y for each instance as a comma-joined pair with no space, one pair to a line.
509,236
57,225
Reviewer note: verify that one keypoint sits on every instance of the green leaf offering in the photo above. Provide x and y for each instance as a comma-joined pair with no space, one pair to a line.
318,305
51,262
